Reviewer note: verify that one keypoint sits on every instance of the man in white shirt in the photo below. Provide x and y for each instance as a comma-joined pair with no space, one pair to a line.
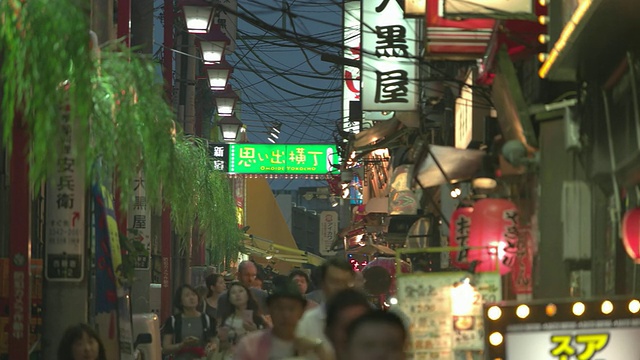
336,274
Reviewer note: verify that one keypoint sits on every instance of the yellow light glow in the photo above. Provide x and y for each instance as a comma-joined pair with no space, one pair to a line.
542,57
606,307
522,311
578,309
551,310
543,38
462,296
495,339
634,306
543,2
494,313
543,19
564,36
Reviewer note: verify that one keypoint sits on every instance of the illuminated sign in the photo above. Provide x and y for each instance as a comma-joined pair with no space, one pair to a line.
389,53
351,83
586,330
464,114
301,159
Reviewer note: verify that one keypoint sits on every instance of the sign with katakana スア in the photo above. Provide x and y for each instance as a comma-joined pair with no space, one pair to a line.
298,159
389,58
65,221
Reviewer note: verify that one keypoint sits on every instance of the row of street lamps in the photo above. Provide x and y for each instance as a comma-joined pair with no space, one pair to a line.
212,43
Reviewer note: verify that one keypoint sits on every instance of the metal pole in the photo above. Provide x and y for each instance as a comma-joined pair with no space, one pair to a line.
19,245
165,292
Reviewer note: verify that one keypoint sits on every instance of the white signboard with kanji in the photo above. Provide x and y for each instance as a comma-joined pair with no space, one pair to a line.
139,220
65,221
389,58
329,223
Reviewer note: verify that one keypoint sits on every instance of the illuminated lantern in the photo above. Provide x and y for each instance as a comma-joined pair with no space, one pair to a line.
631,234
459,231
494,226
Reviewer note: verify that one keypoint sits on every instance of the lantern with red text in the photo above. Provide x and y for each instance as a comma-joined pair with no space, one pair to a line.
459,231
494,235
631,234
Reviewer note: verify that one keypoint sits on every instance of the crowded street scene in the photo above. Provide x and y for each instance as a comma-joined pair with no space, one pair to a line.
319,179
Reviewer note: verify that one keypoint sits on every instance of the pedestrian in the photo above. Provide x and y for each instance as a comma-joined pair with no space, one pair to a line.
286,306
342,310
215,287
336,274
247,272
301,279
242,317
189,334
81,342
377,335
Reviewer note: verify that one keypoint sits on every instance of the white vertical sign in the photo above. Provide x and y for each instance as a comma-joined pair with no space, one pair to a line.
464,114
139,220
351,82
389,58
328,230
65,223
228,20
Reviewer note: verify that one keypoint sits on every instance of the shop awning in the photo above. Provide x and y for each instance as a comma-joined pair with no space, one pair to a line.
269,250
379,136
458,164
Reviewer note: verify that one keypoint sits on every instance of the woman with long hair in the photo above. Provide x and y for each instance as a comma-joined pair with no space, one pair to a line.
215,287
243,317
189,334
81,342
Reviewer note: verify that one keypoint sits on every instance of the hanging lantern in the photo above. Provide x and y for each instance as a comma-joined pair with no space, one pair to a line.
212,45
226,101
218,75
198,15
494,227
631,234
459,231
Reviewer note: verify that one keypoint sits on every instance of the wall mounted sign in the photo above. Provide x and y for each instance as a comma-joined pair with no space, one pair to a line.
139,220
464,114
389,58
304,159
220,155
329,224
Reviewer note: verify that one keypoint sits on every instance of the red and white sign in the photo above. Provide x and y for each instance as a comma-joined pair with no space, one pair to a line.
351,43
329,223
455,39
631,234
459,232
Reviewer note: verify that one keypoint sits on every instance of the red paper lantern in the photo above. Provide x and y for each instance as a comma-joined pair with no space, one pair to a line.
494,225
459,232
631,234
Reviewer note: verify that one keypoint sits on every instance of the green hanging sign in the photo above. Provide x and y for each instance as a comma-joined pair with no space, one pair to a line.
294,159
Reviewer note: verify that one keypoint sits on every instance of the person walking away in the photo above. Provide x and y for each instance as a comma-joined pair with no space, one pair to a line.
242,317
81,342
190,334
286,306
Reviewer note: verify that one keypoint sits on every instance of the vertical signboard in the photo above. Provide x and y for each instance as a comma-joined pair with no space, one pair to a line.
464,114
64,227
220,155
389,58
139,220
226,16
351,82
238,195
522,270
329,223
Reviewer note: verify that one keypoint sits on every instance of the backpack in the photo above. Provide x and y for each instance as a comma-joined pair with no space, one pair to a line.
176,324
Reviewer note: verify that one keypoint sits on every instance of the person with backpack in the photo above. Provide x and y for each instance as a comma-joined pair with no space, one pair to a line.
189,334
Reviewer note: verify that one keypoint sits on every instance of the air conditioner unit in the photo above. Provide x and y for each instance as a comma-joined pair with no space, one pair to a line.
576,220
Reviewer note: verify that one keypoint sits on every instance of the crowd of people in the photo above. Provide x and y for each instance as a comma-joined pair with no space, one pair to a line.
241,321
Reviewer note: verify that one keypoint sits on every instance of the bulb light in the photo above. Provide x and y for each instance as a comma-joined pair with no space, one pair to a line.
634,306
551,310
522,311
606,307
494,313
578,309
495,339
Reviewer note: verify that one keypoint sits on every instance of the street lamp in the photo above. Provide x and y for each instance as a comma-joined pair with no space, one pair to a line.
212,45
230,127
198,15
218,75
226,101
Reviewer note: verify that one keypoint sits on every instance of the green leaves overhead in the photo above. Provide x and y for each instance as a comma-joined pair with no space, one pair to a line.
117,106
